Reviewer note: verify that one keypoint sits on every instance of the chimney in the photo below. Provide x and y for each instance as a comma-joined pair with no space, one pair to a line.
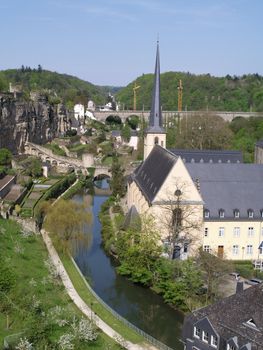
239,287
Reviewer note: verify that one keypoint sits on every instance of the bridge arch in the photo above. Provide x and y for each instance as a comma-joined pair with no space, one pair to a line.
113,119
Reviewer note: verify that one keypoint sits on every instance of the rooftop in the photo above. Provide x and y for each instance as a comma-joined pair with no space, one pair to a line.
208,156
230,187
151,174
230,316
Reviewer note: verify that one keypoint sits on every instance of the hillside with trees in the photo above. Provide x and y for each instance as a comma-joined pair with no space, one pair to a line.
200,92
61,87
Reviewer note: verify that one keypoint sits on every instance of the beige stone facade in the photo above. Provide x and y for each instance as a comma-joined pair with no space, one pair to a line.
234,240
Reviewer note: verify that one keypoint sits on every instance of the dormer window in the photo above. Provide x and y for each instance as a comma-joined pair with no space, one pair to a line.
214,341
221,213
251,323
205,337
206,213
250,213
231,347
236,213
197,332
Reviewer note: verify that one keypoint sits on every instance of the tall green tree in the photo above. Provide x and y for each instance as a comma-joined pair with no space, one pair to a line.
117,183
138,250
213,268
65,221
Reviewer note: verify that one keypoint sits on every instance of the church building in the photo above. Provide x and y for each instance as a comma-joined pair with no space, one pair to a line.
198,198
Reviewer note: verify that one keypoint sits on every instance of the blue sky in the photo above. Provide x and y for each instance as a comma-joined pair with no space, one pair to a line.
112,42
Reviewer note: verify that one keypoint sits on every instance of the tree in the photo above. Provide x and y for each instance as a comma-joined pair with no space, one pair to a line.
33,167
126,133
214,268
180,219
138,250
133,121
117,183
65,221
206,131
5,157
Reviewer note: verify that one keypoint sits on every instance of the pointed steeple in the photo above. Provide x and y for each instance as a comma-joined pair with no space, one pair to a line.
155,121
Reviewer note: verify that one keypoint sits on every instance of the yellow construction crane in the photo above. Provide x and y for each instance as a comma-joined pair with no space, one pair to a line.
180,96
135,88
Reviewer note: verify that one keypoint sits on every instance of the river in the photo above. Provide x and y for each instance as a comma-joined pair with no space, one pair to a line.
139,305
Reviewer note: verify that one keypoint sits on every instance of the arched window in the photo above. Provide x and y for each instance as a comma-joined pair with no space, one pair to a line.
156,140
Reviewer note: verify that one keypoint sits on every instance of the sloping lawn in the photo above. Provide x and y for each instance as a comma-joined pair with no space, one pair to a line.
32,298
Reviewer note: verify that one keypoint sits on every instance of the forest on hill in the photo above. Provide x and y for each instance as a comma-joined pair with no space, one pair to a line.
200,92
59,87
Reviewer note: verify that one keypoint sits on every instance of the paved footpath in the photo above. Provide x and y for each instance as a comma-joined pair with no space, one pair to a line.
80,303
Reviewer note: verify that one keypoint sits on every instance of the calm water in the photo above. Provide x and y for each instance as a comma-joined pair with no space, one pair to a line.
139,305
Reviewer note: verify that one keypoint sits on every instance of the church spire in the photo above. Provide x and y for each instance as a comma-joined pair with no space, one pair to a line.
155,133
155,121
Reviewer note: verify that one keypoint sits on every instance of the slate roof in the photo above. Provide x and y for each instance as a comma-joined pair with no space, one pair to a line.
208,156
229,316
230,187
152,173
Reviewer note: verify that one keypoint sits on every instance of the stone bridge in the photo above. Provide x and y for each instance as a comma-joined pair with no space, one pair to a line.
101,170
167,115
64,163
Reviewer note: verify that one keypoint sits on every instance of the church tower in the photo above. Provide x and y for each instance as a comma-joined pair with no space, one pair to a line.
155,133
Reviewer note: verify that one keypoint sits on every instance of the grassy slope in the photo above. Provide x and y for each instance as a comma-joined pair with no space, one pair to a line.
28,266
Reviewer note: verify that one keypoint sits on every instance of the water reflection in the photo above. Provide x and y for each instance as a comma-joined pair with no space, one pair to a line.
139,305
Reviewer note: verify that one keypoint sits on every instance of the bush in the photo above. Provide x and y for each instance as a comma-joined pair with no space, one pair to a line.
245,270
57,189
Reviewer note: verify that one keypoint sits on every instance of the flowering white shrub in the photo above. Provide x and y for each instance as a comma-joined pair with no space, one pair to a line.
85,330
65,342
35,302
57,316
24,344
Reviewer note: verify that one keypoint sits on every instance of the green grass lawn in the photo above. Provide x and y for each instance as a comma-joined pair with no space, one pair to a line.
30,304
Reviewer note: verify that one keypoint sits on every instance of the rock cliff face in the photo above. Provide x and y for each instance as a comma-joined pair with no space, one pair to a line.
36,121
